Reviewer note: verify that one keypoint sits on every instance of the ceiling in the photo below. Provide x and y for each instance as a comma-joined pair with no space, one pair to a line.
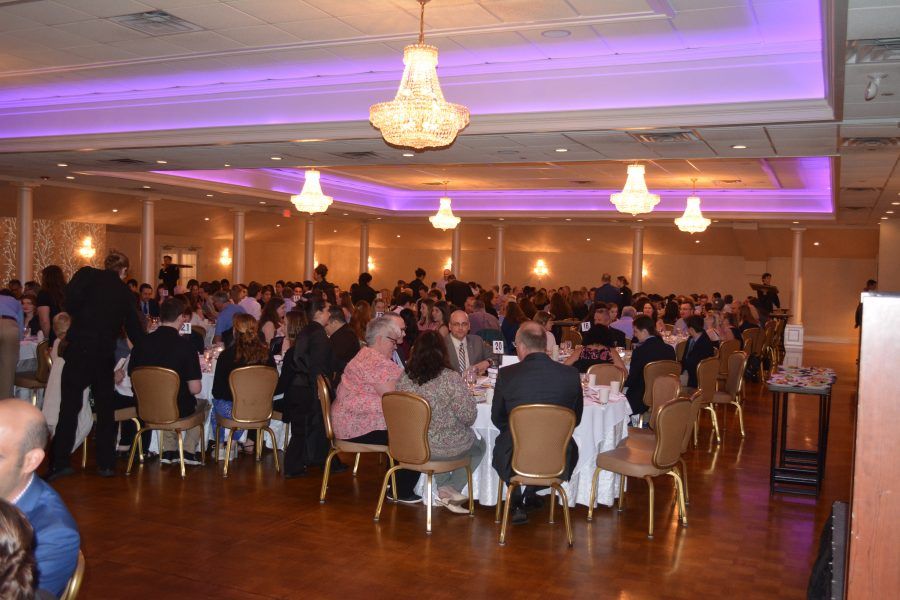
292,80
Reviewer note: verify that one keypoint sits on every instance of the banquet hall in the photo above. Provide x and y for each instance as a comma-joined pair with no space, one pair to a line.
737,157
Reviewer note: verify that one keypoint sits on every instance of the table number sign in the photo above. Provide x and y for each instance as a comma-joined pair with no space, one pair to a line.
185,329
585,327
498,347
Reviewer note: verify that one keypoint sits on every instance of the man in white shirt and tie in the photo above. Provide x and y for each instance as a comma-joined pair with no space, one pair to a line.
466,350
149,307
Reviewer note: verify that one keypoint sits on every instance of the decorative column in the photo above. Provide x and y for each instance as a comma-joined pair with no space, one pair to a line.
797,276
25,231
499,265
364,247
237,248
455,253
148,240
309,250
637,259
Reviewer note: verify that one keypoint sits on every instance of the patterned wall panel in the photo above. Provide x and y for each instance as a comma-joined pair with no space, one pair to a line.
55,243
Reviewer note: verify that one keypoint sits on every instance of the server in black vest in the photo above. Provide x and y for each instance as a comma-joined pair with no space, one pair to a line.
100,305
651,349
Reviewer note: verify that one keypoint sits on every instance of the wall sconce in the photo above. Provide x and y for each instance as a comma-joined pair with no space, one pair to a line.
644,272
448,266
370,265
87,250
540,268
225,258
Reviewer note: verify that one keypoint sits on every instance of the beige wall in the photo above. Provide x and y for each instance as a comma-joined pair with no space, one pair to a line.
889,256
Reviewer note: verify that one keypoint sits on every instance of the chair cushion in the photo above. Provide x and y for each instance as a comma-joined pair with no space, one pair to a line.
29,380
232,424
437,466
354,447
722,398
639,439
124,414
628,461
193,420
541,481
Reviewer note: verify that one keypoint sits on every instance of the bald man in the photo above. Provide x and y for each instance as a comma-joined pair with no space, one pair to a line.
466,350
23,436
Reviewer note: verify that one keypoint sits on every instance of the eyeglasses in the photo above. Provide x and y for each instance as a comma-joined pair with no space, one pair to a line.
396,342
461,324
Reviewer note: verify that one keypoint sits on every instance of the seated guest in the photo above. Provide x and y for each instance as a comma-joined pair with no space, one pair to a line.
343,340
512,320
602,332
594,352
226,306
613,312
545,320
479,318
198,342
699,346
717,328
670,312
746,319
685,310
728,323
528,307
16,555
651,348
148,305
453,413
579,305
271,324
466,351
23,436
29,312
357,415
537,379
12,323
249,299
410,330
559,307
166,348
362,314
625,322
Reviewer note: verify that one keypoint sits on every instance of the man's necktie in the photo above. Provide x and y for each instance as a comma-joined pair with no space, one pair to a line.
462,356
146,308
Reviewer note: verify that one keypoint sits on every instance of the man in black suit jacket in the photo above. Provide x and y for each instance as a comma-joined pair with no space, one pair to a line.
699,347
651,349
601,333
344,343
457,291
537,379
147,305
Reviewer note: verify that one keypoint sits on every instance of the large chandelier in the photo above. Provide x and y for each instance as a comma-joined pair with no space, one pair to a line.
444,219
634,197
692,221
418,117
311,199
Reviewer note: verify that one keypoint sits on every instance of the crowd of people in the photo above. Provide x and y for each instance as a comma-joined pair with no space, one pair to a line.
429,339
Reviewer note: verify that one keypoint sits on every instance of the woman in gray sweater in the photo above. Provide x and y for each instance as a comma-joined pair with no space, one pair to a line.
453,411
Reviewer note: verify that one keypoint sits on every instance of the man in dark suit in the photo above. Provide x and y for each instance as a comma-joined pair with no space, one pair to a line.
100,305
607,292
418,283
457,291
344,343
466,350
169,274
363,290
148,306
537,379
23,435
601,333
699,347
768,299
651,349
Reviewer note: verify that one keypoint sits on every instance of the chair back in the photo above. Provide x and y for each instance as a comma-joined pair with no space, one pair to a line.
737,363
764,337
42,373
697,403
605,374
408,417
325,401
673,423
707,374
199,330
74,585
665,389
156,393
490,335
541,434
726,349
750,336
570,334
653,370
680,347
252,389
668,327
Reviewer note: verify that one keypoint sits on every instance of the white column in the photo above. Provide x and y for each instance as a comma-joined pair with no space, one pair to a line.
309,250
364,247
148,241
797,276
237,249
500,257
455,253
25,231
637,259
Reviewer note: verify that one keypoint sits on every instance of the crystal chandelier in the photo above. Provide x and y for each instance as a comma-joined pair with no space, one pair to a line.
692,221
444,219
634,197
311,199
225,258
418,117
540,268
87,250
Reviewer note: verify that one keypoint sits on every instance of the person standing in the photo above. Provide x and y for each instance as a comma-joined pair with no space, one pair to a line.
457,291
607,292
12,323
322,285
768,299
625,295
363,290
169,274
100,305
418,284
871,286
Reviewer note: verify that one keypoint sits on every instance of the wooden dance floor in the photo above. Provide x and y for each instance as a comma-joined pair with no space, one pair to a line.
255,535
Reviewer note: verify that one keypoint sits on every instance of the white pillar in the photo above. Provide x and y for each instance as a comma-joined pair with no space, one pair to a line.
363,247
237,249
455,254
637,259
25,232
309,250
797,276
499,265
148,241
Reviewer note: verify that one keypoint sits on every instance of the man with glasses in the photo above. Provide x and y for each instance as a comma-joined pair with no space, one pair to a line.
467,351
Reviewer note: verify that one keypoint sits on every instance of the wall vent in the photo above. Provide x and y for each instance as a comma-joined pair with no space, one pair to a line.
885,50
125,161
671,136
356,155
156,23
870,143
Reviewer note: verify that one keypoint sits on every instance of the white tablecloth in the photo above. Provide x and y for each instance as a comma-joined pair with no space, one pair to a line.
27,356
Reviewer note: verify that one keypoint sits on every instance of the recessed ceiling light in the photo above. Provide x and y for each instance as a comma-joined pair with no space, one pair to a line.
568,219
556,33
62,164
162,162
206,218
640,220
398,235
888,212
501,219
696,241
334,231
895,203
146,187
489,237
209,195
377,218
815,243
884,218
69,177
227,165
739,147
795,222
277,224
115,210
345,214
409,154
587,239
562,149
262,201
275,157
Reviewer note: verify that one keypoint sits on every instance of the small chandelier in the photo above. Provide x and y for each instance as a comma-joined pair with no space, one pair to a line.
444,219
634,197
87,250
418,117
311,199
540,268
692,221
225,258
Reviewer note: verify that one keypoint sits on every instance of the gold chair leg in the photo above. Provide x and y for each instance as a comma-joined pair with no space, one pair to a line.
274,447
387,477
650,486
84,454
200,447
687,499
137,436
509,489
552,502
325,473
471,491
593,501
228,451
33,397
137,426
393,476
568,520
696,428
181,453
740,413
356,463
216,444
428,482
679,489
715,422
259,445
499,501
287,434
621,493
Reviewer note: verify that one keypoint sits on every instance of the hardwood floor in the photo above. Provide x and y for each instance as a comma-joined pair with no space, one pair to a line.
255,535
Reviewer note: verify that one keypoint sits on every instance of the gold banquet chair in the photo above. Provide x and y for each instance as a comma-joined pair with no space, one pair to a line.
605,374
252,389
37,379
707,384
653,370
74,585
665,389
732,395
337,445
726,349
673,423
541,434
570,334
680,349
119,416
750,336
156,393
408,417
